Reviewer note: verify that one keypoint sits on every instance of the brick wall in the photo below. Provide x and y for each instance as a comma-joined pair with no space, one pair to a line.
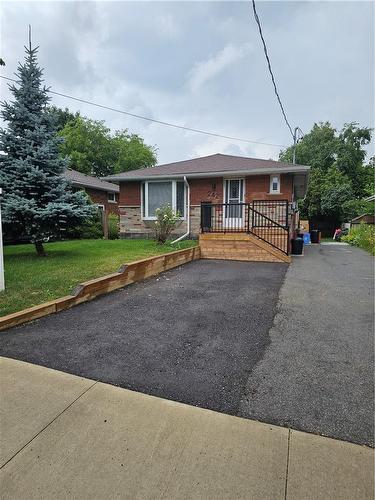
101,197
130,194
203,189
206,189
258,188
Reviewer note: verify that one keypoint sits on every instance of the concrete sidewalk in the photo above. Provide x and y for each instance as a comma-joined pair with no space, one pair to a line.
64,436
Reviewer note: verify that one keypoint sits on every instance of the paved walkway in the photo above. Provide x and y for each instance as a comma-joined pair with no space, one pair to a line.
317,372
63,436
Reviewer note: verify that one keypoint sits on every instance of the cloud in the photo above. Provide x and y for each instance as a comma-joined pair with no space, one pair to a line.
167,26
204,71
201,65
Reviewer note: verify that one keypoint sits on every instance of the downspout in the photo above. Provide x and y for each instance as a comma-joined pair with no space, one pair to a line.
188,214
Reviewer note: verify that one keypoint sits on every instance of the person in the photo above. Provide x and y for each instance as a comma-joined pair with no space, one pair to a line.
337,234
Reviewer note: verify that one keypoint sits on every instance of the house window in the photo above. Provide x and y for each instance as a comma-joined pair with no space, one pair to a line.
155,194
112,197
275,184
180,198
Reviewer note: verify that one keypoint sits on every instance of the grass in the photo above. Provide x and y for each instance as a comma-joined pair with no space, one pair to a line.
32,280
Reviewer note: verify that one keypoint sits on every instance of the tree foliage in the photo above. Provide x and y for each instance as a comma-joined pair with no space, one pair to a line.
88,145
131,152
95,151
36,203
62,116
339,178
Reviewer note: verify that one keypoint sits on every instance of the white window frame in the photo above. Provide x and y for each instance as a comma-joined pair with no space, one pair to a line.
109,193
144,202
272,177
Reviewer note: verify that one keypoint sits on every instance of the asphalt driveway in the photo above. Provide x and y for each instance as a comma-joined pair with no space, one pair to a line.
317,373
193,334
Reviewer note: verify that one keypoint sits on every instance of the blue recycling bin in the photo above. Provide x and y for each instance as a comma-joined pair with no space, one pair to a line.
306,239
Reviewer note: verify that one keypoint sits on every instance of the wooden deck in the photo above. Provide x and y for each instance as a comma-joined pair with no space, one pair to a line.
239,246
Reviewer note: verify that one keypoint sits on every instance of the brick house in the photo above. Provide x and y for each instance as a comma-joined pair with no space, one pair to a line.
214,194
104,194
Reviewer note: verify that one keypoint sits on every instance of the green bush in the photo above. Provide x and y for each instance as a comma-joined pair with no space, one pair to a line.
166,221
91,229
362,236
113,227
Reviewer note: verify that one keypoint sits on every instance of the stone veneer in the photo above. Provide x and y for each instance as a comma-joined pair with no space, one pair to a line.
132,225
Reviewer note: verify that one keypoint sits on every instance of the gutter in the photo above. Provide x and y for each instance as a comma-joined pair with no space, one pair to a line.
222,173
188,214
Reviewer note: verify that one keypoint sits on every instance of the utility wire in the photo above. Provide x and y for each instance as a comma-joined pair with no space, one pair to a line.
270,69
160,122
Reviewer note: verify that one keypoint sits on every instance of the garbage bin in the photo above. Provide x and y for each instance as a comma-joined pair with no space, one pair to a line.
306,239
315,236
297,246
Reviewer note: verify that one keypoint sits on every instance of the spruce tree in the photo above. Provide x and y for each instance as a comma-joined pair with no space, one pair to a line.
37,203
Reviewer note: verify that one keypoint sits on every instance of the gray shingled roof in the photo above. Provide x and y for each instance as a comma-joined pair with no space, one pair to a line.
210,165
82,180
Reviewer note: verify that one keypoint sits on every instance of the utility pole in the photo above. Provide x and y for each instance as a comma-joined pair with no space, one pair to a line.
294,143
2,282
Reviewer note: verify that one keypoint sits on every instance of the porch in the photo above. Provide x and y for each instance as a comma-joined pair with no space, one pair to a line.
257,231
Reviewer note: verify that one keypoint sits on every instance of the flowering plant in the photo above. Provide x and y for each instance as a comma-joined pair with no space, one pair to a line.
166,221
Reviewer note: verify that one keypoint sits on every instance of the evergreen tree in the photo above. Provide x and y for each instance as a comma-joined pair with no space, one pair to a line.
37,203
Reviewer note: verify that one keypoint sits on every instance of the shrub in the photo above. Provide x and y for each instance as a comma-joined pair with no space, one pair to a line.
362,237
113,227
91,229
166,221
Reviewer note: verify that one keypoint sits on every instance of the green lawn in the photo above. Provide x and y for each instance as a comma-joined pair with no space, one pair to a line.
31,280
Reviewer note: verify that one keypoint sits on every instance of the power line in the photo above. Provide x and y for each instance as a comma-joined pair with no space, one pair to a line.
160,122
270,69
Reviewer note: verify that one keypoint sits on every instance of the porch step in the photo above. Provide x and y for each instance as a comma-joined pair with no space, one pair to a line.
239,246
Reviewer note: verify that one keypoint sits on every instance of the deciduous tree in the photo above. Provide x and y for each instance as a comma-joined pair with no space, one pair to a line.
95,151
339,178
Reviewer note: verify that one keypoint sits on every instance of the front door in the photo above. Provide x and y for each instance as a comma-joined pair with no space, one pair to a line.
234,195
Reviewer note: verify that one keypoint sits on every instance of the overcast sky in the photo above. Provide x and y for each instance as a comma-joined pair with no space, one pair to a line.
201,65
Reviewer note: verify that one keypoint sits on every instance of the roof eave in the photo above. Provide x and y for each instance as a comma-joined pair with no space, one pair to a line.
114,189
226,173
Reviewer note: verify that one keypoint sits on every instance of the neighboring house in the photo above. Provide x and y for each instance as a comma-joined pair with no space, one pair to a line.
362,219
261,195
104,194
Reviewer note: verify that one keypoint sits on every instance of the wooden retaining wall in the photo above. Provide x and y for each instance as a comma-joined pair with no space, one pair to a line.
127,274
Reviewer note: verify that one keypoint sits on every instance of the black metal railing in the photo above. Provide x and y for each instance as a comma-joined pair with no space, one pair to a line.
243,218
277,210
